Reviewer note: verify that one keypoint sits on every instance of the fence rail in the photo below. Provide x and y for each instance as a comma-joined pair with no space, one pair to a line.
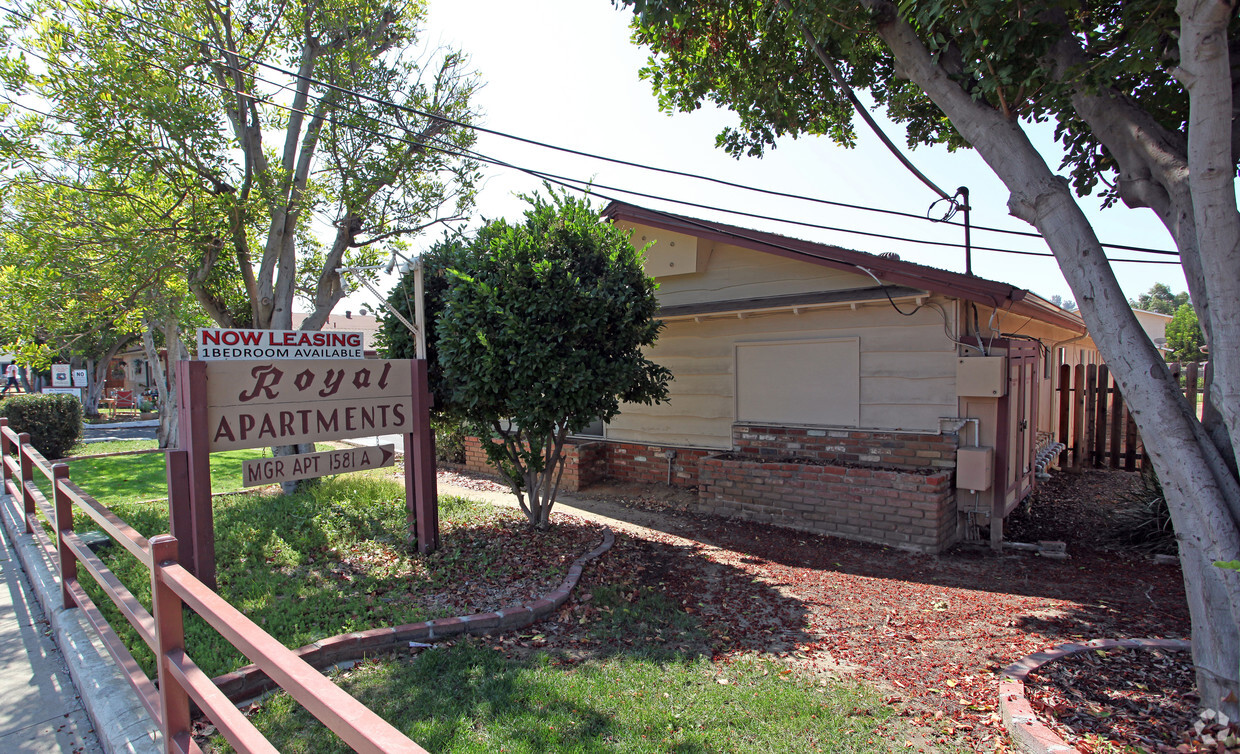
1096,427
173,588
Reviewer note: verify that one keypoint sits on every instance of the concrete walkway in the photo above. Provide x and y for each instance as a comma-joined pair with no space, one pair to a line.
611,514
135,430
40,710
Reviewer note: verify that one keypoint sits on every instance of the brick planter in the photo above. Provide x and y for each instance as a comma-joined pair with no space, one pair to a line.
588,462
849,446
906,508
585,463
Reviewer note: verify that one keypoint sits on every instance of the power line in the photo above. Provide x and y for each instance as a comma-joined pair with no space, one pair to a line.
563,181
590,155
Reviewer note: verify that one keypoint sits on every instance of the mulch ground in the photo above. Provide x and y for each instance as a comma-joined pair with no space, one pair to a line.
932,631
1103,700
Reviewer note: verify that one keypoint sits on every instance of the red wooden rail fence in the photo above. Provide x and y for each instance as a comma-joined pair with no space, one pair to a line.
1094,424
172,588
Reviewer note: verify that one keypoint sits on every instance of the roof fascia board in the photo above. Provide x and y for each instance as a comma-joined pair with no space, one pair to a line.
943,282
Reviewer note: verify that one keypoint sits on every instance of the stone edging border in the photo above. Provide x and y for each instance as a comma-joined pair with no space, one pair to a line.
250,681
1030,733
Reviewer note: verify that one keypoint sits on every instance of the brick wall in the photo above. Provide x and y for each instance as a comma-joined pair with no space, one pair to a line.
627,462
582,464
588,462
848,445
907,509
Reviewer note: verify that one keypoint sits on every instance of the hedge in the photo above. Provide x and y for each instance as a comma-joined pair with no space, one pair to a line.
53,421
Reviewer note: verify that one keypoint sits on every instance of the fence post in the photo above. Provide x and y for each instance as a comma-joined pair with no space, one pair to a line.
1091,428
1209,413
1117,427
27,464
4,451
1064,388
1100,434
166,609
1190,385
64,523
1078,415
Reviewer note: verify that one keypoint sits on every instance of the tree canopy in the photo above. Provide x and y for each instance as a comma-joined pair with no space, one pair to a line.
1184,335
281,124
1126,85
540,328
1159,298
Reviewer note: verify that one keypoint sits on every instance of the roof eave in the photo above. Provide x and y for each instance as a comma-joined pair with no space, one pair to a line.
944,282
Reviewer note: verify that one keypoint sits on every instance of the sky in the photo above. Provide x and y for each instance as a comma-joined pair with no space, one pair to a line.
565,72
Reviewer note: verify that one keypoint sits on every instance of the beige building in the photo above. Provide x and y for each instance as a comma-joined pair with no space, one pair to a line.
793,356
1155,326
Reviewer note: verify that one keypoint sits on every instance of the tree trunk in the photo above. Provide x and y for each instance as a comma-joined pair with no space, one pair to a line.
1201,492
165,380
99,375
1205,70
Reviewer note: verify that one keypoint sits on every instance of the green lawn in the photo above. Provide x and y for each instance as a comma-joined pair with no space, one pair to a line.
334,559
470,698
124,479
322,562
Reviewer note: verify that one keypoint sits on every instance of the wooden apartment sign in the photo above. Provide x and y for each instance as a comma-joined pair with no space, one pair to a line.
256,404
260,471
230,405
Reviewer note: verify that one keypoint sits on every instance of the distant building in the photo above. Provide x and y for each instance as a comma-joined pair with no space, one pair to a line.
349,321
1155,326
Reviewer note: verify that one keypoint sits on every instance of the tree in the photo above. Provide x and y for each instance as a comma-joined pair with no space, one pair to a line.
1184,335
1160,299
86,254
361,134
1068,305
540,333
1142,96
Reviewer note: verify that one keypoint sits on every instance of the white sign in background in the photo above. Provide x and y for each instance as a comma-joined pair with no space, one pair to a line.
60,375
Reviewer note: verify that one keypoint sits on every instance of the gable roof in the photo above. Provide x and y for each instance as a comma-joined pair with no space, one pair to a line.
890,269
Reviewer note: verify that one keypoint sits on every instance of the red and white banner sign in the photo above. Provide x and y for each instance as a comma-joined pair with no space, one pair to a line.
216,344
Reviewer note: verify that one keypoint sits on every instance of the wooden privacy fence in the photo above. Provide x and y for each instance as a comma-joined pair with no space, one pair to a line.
1094,424
173,588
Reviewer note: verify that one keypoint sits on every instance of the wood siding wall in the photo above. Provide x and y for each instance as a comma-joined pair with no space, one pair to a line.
731,273
907,365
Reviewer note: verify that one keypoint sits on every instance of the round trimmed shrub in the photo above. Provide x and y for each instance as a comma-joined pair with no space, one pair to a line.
53,421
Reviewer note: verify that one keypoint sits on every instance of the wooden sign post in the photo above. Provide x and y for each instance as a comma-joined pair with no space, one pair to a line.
231,405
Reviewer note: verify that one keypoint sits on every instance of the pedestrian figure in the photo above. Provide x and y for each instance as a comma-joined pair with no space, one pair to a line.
10,373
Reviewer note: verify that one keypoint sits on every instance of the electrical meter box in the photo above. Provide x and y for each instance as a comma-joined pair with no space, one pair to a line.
981,376
975,468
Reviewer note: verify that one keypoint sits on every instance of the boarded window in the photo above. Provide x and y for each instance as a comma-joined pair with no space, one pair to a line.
799,382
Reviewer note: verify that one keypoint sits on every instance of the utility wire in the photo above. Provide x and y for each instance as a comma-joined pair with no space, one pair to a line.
564,181
590,155
842,86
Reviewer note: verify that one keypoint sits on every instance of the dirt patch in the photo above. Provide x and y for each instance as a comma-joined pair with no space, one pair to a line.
1073,507
933,631
655,498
